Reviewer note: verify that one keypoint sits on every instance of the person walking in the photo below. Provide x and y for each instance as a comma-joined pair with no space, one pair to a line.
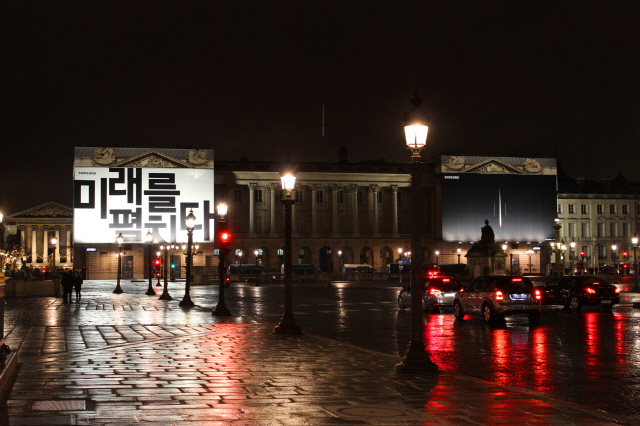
77,283
67,282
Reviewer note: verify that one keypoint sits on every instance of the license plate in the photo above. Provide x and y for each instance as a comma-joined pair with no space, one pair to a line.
606,302
519,296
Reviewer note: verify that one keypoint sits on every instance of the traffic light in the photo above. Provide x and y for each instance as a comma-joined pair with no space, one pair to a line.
625,254
582,255
158,267
225,238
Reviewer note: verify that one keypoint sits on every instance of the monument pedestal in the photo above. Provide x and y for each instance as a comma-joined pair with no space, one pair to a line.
486,259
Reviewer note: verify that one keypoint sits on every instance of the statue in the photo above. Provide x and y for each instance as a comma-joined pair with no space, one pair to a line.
487,233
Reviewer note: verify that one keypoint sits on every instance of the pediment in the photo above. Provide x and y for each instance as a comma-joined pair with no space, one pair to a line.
493,166
152,159
46,210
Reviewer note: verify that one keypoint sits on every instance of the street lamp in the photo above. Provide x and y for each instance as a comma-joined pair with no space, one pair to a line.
223,240
165,292
558,269
634,240
504,248
614,256
572,255
119,240
529,253
287,324
416,358
150,291
191,223
54,242
437,254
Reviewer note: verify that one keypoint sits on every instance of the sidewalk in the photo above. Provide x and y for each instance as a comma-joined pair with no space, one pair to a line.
127,359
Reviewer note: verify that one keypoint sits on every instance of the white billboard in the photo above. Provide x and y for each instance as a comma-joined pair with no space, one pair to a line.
132,200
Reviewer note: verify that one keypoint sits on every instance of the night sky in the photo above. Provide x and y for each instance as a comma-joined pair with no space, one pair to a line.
249,79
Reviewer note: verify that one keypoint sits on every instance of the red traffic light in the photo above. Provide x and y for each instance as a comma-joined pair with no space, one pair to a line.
625,254
158,262
225,237
582,253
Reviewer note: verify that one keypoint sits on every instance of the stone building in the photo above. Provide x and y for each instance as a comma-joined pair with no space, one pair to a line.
597,216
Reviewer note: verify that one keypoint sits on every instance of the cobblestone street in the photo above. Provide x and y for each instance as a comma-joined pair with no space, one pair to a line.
130,358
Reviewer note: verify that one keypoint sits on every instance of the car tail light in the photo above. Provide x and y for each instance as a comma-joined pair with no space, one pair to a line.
617,290
590,290
499,295
517,280
538,294
461,290
446,280
435,291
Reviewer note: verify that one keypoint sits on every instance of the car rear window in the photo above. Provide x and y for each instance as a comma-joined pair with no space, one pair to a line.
514,283
446,284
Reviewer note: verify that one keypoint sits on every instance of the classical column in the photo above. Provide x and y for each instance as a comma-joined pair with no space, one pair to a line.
34,244
394,230
296,233
334,213
69,245
356,228
45,248
272,231
374,192
252,230
56,251
314,211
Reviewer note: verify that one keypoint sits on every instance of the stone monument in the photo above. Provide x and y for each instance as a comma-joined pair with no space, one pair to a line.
486,257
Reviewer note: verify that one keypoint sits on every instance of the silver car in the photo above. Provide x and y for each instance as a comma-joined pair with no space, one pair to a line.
496,296
438,291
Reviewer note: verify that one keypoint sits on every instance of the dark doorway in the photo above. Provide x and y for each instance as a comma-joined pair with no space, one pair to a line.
127,267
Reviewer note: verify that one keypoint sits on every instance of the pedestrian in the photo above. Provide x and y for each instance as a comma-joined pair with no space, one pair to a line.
67,282
77,283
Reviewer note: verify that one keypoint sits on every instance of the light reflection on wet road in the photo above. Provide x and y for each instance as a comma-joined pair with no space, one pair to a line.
590,357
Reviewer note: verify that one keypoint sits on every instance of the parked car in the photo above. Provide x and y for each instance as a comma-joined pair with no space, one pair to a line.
438,291
578,290
497,296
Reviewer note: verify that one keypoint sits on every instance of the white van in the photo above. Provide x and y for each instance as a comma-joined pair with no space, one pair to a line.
358,268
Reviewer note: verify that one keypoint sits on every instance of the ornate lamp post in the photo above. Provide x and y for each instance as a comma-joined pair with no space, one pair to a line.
529,253
636,288
459,251
165,292
191,223
54,242
572,253
558,270
119,240
150,291
224,238
416,127
287,324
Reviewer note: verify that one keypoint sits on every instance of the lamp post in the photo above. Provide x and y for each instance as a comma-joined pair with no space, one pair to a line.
529,253
287,324
437,254
636,288
572,253
150,291
504,248
557,249
119,240
165,292
459,251
614,256
54,242
416,358
255,255
191,223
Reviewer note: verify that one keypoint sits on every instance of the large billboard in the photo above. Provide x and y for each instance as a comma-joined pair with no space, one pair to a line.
133,200
520,208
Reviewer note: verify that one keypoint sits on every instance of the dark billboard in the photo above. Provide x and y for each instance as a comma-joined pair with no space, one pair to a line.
519,207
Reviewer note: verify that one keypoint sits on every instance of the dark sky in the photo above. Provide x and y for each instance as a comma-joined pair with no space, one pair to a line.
250,78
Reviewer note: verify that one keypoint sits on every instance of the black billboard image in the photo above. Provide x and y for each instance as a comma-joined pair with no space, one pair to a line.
520,208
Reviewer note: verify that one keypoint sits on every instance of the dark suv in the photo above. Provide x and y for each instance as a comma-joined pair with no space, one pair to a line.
496,296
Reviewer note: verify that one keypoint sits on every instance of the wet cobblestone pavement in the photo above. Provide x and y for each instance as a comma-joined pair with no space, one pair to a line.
130,358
